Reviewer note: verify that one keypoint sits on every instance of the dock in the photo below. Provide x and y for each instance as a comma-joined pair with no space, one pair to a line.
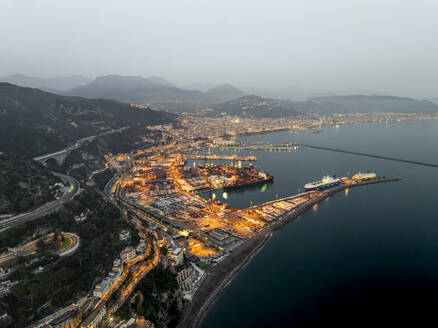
297,211
221,157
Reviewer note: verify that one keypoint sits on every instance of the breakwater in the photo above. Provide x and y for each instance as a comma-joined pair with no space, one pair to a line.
219,276
293,146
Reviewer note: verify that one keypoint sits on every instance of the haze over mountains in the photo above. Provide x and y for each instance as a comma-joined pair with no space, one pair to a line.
49,84
125,88
364,104
224,98
34,122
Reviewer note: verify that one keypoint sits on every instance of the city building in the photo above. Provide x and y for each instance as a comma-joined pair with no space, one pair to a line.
5,271
176,256
128,254
95,318
124,235
4,290
117,265
220,238
5,287
101,289
186,277
69,319
138,323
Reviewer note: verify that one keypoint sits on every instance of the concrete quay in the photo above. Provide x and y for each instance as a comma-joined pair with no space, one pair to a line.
300,209
218,277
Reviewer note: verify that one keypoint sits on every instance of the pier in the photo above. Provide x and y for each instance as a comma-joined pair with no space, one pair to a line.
294,146
221,157
219,276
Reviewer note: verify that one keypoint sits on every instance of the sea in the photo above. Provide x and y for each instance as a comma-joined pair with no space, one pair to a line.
364,257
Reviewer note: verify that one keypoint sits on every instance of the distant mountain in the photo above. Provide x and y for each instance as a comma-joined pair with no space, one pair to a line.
255,106
133,89
363,104
34,122
161,81
434,100
200,86
48,84
224,92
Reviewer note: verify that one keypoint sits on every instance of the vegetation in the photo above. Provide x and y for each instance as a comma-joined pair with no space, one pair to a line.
254,106
63,279
81,162
161,299
102,178
34,122
24,184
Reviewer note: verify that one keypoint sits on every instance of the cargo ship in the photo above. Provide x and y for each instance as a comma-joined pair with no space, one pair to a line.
249,180
326,182
364,176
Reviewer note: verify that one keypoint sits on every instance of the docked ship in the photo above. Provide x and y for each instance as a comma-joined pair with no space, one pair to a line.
326,182
364,176
249,180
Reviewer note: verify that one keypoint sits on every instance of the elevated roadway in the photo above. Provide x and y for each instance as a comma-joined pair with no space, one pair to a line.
47,208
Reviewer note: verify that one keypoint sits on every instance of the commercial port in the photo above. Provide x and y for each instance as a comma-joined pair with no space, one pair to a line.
164,192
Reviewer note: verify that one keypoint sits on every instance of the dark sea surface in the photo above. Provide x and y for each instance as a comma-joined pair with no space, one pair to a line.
365,257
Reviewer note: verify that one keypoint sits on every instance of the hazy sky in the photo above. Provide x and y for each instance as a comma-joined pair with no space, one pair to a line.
389,46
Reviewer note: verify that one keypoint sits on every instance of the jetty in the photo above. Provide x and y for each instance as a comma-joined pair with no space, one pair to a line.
295,146
221,157
221,274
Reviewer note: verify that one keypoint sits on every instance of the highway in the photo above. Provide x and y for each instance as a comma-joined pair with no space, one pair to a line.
46,208
77,144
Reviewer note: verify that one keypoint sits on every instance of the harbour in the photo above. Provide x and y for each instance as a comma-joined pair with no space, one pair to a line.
366,233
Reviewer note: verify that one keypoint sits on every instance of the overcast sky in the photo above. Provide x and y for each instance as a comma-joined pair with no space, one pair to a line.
389,46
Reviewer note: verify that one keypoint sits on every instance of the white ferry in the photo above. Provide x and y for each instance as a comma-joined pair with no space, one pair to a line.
326,182
364,176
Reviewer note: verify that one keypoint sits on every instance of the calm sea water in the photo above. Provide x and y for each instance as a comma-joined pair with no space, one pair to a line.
369,257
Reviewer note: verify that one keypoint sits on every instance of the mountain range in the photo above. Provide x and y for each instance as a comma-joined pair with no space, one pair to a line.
145,90
255,106
365,104
164,95
34,122
48,84
133,89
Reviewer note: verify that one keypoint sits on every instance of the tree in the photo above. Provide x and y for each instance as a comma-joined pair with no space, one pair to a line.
41,245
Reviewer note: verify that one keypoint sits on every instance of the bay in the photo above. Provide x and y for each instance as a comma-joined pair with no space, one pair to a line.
367,256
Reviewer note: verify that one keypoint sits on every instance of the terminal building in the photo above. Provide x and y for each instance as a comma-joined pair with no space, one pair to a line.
221,238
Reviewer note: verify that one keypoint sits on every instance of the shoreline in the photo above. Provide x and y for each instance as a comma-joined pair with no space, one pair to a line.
219,277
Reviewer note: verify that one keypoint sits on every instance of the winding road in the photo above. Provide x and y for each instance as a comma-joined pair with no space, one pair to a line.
46,208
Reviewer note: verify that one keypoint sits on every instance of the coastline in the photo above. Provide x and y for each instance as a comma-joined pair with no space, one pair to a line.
218,278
